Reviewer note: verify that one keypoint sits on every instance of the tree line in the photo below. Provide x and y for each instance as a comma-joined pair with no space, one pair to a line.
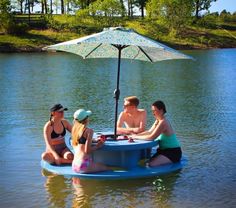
129,7
173,14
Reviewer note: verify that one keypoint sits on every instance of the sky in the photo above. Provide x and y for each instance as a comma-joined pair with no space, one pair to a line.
219,5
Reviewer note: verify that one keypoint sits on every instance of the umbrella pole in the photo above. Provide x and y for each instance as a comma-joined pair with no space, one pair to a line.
117,91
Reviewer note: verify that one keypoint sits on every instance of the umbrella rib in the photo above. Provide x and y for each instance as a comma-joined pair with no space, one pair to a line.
145,54
93,50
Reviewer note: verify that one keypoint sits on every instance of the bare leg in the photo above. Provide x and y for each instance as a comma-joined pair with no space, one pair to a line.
48,157
159,160
96,167
67,156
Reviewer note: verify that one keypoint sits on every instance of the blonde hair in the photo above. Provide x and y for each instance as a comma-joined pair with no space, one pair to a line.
77,130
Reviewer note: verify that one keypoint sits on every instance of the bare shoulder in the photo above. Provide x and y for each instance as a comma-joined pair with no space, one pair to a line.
122,114
48,126
164,123
142,111
88,131
65,122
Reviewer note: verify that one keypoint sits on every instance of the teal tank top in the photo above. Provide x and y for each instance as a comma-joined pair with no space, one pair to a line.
166,142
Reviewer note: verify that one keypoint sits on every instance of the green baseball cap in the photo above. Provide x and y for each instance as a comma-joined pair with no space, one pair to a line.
81,114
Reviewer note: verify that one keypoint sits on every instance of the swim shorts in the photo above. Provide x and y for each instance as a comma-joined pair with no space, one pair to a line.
173,154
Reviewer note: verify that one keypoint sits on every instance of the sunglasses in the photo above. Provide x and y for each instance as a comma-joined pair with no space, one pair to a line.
60,111
126,105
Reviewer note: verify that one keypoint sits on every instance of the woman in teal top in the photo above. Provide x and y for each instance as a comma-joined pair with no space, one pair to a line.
169,150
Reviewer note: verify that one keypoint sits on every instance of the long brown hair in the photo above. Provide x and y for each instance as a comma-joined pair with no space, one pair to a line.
78,130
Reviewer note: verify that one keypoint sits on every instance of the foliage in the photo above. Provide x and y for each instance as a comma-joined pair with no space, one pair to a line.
7,24
201,5
174,13
208,21
216,20
141,5
192,37
106,12
152,8
227,17
18,28
5,15
107,8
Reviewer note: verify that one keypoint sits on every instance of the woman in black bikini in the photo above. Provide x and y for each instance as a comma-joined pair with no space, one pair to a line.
54,135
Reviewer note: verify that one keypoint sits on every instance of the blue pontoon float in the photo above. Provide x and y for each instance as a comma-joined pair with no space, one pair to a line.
121,154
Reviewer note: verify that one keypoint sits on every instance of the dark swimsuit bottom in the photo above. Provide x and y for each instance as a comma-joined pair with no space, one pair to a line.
59,148
173,154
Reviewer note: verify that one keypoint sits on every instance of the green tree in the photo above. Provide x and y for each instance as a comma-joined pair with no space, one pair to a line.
83,4
5,15
201,5
153,7
226,16
173,13
107,8
44,7
62,7
20,3
141,5
130,4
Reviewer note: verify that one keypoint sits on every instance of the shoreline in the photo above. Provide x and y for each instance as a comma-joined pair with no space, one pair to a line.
12,49
34,40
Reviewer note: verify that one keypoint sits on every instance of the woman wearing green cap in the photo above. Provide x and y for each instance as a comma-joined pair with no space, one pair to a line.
82,144
54,135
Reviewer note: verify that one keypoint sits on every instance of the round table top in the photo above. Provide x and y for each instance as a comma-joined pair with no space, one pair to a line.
125,145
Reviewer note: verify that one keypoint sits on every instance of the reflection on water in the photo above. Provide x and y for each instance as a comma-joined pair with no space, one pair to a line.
90,193
81,198
200,98
57,189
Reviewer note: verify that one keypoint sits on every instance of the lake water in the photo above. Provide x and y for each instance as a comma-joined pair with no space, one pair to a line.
201,103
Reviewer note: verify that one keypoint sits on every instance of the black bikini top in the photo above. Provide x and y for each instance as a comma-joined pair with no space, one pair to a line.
55,135
82,139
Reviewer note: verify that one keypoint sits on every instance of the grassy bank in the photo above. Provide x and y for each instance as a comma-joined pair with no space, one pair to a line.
61,29
33,41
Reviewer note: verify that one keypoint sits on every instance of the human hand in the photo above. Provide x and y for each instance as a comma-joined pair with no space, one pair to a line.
135,131
132,136
100,143
102,138
131,140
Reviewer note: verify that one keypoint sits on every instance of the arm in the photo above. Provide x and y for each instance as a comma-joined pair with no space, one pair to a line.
148,131
88,145
142,124
154,134
67,125
120,123
89,136
153,126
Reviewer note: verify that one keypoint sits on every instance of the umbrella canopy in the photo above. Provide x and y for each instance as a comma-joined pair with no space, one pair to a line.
103,45
118,43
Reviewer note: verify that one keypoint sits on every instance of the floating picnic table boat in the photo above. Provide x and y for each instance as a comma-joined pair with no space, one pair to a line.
122,154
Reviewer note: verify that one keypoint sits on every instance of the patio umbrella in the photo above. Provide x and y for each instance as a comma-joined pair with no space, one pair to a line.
118,43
